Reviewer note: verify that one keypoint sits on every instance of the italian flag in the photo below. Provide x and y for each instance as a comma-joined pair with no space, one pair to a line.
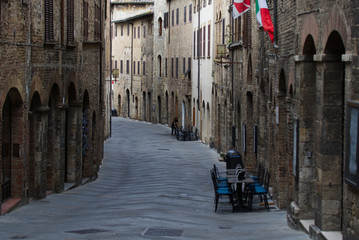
264,18
240,7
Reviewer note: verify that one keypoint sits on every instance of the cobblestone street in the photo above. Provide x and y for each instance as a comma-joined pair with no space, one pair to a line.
150,186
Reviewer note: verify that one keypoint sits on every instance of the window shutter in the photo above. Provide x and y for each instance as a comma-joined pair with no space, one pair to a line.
49,21
144,68
176,67
70,21
204,42
190,13
185,14
85,20
209,40
194,44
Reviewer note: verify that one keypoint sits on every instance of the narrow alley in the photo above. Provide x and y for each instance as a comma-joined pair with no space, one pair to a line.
150,186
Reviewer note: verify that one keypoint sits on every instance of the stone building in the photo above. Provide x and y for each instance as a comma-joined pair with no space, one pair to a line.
202,73
173,59
295,107
154,66
132,57
51,96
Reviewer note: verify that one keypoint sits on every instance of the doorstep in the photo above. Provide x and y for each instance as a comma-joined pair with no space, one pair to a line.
315,233
9,205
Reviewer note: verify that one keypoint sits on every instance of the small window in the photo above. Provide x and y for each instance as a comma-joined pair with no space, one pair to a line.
185,14
144,31
138,67
121,66
139,30
128,66
144,68
176,67
160,27
173,18
352,144
121,29
177,16
190,13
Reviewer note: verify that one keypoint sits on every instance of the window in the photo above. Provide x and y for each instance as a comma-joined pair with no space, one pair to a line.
134,32
176,67
177,16
115,64
86,22
159,66
237,29
134,67
198,37
194,44
97,22
184,65
223,30
165,67
209,2
121,66
189,63
115,30
128,29
247,29
185,14
166,20
209,40
173,18
144,68
160,27
351,145
138,67
204,3
121,29
70,21
204,41
139,30
190,13
144,31
49,21
172,67
128,66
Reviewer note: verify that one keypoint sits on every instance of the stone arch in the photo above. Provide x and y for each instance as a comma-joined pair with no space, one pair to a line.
309,28
12,145
337,22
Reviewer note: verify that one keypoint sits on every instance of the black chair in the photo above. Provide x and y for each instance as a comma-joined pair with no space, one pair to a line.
221,191
194,134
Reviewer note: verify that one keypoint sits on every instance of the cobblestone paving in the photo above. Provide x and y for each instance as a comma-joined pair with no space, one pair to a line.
150,186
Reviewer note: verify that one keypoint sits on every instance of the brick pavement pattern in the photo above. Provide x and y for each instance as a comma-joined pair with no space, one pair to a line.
150,186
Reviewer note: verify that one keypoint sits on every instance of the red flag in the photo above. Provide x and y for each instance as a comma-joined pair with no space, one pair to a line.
240,7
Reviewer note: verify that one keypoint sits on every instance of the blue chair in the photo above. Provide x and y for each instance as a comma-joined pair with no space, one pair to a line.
261,191
220,191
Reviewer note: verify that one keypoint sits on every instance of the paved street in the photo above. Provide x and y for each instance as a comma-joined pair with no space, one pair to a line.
150,186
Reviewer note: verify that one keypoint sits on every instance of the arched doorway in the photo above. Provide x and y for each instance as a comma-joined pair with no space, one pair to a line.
128,102
86,156
119,105
159,104
73,137
12,139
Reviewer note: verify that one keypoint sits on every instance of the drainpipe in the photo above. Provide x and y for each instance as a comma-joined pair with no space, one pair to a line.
111,34
199,57
131,72
232,83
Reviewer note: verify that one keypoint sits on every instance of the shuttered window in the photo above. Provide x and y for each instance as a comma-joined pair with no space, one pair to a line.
97,22
144,31
209,40
177,16
185,14
176,67
247,37
204,41
121,66
49,21
166,20
190,13
86,22
138,67
144,68
70,21
194,44
184,65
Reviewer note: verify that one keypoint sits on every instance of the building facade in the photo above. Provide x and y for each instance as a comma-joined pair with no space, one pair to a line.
51,99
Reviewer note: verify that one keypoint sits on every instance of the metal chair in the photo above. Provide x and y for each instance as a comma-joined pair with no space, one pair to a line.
221,191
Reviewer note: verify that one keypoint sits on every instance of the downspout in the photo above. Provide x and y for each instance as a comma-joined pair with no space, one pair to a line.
131,72
232,81
169,21
111,32
199,57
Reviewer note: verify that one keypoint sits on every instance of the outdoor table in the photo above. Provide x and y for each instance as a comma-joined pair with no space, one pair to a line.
233,179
